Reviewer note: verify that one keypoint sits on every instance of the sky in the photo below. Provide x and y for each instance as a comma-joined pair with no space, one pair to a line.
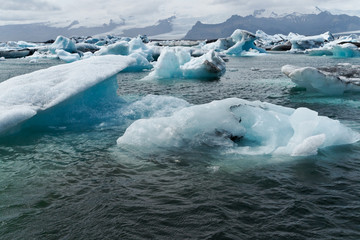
140,13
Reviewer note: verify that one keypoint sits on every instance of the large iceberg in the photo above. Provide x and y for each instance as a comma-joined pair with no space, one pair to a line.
302,43
277,42
178,63
343,47
244,42
327,80
241,127
22,97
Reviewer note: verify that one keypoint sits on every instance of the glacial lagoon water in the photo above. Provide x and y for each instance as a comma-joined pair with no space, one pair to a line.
64,177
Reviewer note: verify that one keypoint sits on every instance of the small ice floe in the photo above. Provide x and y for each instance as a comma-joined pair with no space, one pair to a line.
327,80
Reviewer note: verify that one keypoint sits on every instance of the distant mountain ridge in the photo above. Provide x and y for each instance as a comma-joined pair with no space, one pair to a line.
40,32
305,24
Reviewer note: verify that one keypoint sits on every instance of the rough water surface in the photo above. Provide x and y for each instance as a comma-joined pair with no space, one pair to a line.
64,177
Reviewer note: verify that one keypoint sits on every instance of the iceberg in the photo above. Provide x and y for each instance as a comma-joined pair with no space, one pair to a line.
219,45
118,48
272,42
66,56
63,43
244,41
86,47
344,47
136,45
16,53
24,96
327,80
302,43
178,63
242,127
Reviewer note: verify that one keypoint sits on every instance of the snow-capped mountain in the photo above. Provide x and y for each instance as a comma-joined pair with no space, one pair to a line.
273,23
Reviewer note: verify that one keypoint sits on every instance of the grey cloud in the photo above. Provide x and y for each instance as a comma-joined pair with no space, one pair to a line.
28,5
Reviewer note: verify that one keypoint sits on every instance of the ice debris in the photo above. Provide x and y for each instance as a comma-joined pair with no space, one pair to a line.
327,80
242,127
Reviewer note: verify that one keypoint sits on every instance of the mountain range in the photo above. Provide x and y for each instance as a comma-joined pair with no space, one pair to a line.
270,22
305,24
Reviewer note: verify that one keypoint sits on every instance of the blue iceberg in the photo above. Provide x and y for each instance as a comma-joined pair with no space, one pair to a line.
178,63
23,97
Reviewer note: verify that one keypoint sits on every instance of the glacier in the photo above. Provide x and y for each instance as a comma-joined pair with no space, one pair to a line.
333,80
242,127
24,96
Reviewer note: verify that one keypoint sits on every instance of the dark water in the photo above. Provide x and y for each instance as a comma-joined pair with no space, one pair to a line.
67,178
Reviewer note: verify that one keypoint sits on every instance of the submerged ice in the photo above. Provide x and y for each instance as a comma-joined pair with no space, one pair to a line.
245,127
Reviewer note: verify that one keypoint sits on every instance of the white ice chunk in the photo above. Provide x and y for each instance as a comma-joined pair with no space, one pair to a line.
177,63
244,127
118,48
66,56
330,80
244,41
301,43
63,43
23,96
136,45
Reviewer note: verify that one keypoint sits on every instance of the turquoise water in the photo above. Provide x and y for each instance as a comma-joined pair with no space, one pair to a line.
63,176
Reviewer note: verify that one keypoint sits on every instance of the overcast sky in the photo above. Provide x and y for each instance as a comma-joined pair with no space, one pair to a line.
141,12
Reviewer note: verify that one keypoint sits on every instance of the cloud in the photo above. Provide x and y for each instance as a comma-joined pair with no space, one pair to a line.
28,5
141,13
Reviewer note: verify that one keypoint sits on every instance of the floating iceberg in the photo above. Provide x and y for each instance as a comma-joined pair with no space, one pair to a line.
302,43
16,53
244,41
327,80
22,97
136,45
344,47
244,127
178,63
66,56
63,43
86,47
269,42
118,48
141,63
